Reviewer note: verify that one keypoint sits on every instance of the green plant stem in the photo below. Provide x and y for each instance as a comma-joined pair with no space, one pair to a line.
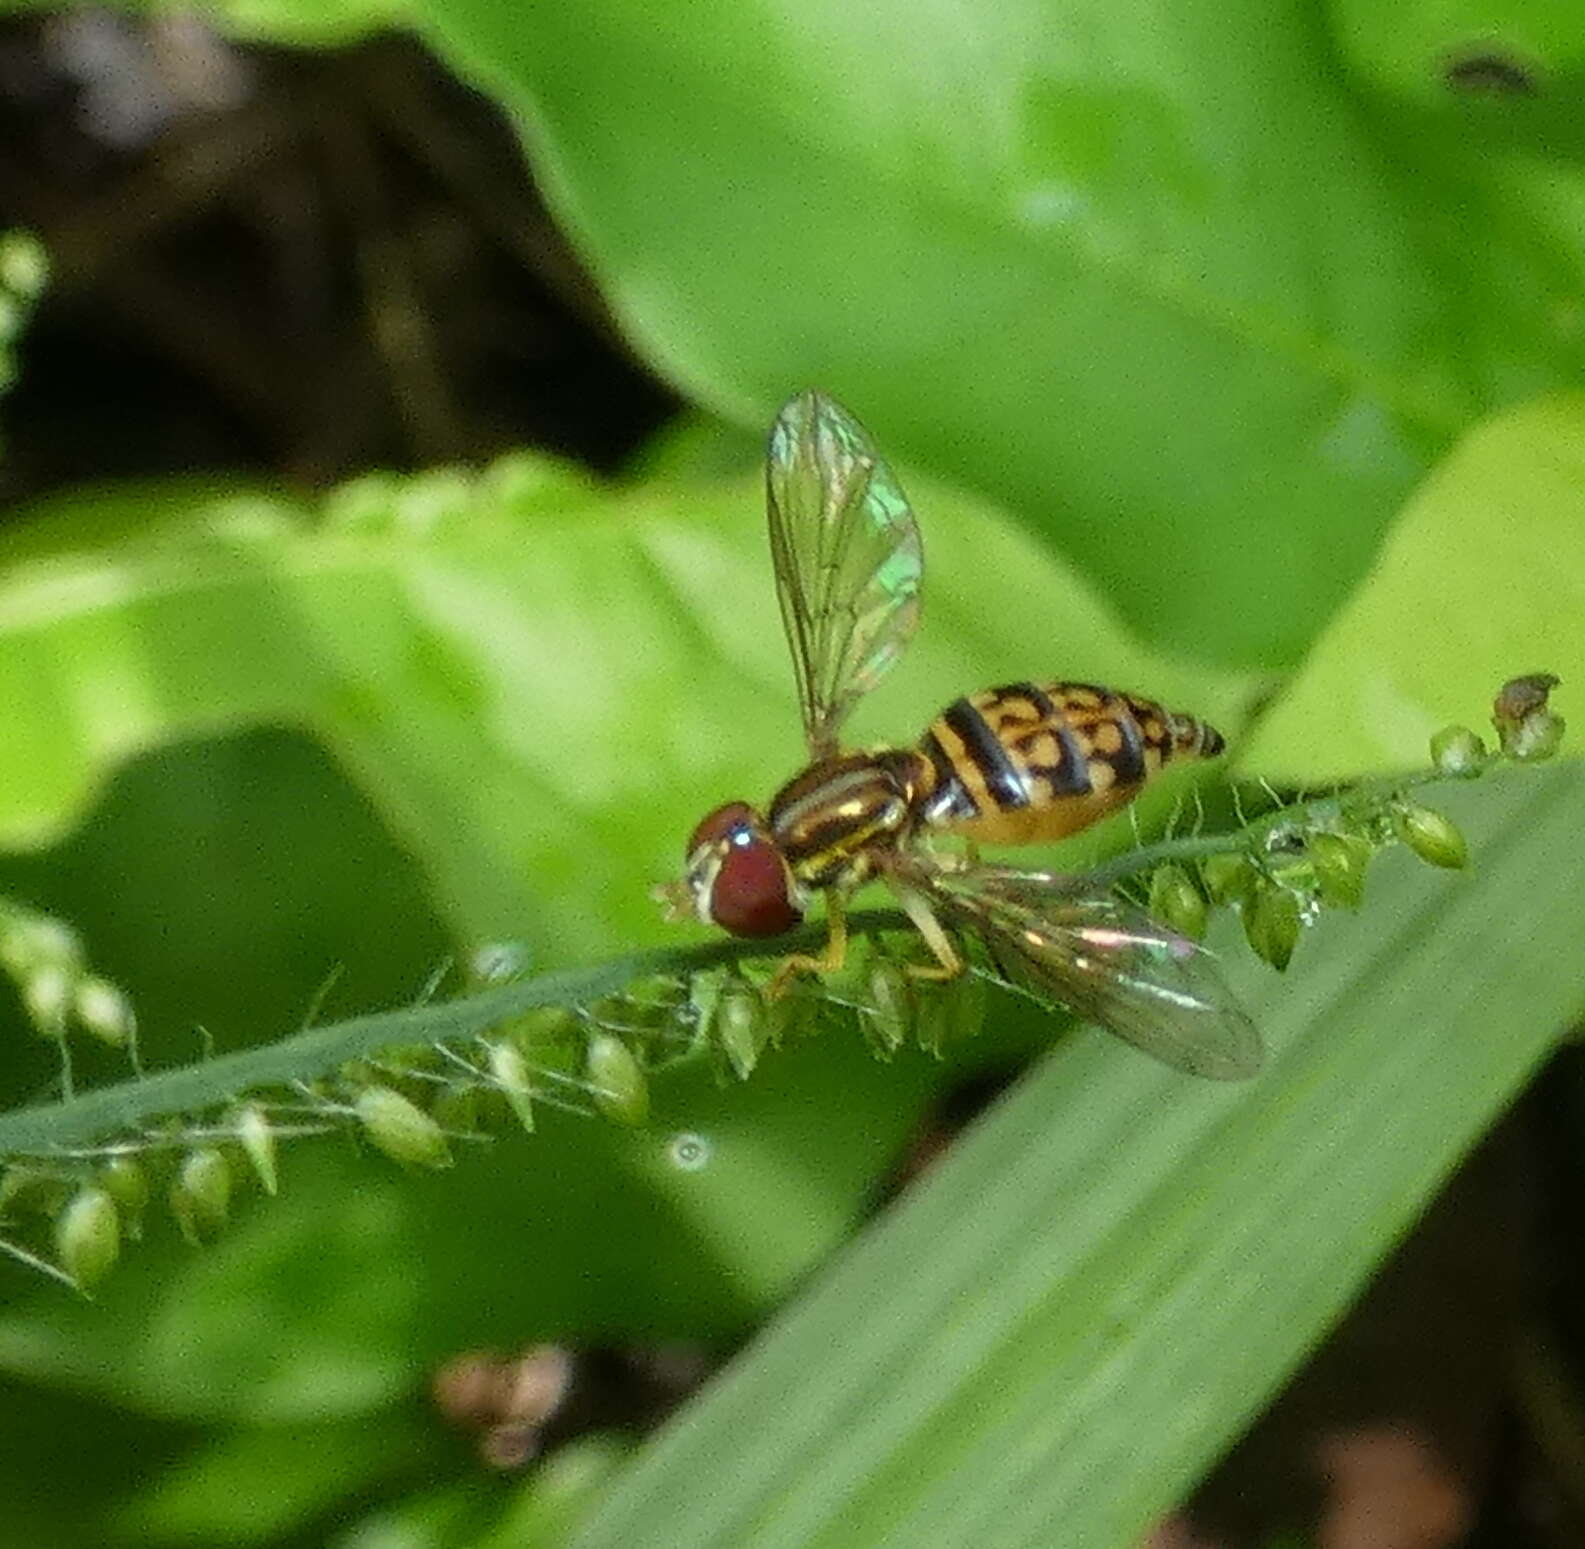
43,1130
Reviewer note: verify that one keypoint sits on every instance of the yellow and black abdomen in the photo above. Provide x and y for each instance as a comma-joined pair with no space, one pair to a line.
1038,761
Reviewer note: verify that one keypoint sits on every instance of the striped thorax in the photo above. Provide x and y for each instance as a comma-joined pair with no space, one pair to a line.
834,821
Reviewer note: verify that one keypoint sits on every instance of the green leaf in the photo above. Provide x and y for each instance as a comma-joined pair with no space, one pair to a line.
218,1494
540,684
1482,578
54,1490
1533,53
230,886
24,271
136,511
1053,1336
1143,272
306,23
284,23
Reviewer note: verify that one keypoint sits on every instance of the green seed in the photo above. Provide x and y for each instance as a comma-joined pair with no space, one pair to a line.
620,1087
1176,901
88,1236
201,1194
1271,924
1458,752
258,1144
545,1027
31,941
1431,836
1536,738
782,1014
890,1009
1339,862
124,1180
47,997
704,999
401,1129
1229,879
510,1072
948,1011
101,1009
740,1026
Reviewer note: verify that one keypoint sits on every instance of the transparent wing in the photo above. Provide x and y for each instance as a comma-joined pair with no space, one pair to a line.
847,557
1109,963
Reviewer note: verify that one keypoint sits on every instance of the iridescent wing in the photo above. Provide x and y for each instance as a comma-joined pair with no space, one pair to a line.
1109,963
847,556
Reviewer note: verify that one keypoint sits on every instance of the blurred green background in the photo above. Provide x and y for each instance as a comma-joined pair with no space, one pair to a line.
382,573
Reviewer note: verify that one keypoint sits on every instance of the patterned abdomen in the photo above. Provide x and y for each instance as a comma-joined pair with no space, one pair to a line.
1037,761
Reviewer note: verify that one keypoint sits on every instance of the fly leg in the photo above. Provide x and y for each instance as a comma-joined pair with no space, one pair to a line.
949,962
829,961
952,860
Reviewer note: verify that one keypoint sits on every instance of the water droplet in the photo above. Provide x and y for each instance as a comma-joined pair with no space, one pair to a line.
688,1152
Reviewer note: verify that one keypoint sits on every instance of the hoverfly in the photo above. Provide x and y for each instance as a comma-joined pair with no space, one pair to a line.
1012,765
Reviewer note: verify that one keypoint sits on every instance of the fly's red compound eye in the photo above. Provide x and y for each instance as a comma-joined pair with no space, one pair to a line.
750,893
722,824
739,877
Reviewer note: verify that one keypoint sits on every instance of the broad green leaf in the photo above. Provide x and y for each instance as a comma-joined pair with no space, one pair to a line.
1533,52
541,685
306,23
135,510
249,1486
1144,272
284,23
1482,578
66,1463
1064,1325
230,885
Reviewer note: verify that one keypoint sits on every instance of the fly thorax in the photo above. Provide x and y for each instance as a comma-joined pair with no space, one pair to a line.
833,820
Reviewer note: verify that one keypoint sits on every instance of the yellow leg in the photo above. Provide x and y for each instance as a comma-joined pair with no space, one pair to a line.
829,961
948,964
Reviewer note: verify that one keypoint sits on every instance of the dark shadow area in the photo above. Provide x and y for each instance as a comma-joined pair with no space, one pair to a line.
297,263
